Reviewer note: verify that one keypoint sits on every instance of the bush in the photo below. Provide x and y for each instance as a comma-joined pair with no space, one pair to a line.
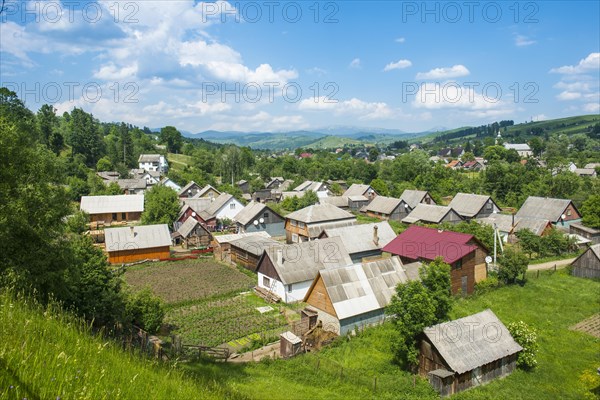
145,310
527,339
487,285
513,264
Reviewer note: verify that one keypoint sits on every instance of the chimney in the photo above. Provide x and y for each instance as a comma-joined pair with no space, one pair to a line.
279,256
131,231
375,235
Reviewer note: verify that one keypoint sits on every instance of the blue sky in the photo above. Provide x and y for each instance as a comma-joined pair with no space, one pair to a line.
278,65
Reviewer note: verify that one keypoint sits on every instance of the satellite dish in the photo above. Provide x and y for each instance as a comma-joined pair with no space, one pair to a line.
262,220
488,259
194,214
563,216
255,222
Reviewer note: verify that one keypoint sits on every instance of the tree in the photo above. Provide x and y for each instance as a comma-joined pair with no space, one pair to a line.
380,187
170,136
373,154
47,122
84,137
161,206
103,164
537,146
513,264
591,211
528,241
145,310
435,276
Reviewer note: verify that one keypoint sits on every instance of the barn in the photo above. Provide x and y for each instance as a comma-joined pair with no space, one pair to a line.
355,296
110,209
135,243
247,250
466,352
587,265
431,214
192,234
221,243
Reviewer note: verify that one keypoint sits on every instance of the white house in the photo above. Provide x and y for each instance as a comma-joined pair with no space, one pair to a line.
153,162
522,148
289,270
169,183
223,206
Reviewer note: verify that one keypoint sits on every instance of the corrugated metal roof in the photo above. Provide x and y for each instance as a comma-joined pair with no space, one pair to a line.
196,204
127,184
302,261
360,238
228,238
470,342
382,204
309,185
255,245
144,158
285,195
205,190
543,208
420,243
137,237
413,197
320,213
217,204
468,204
412,270
504,223
360,288
314,230
517,146
253,210
427,213
188,226
357,189
112,204
338,201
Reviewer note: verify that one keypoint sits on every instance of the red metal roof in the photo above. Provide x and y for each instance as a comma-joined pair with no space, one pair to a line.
420,243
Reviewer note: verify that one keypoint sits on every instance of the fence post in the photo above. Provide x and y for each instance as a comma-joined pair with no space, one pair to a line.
554,267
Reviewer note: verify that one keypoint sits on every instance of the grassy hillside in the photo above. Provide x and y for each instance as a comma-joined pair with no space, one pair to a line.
332,142
178,162
45,355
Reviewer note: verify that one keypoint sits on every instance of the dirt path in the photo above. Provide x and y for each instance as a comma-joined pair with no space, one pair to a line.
551,264
271,350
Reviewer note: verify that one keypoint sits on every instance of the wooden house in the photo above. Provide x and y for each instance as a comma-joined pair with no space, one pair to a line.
189,190
560,212
466,352
432,214
471,206
135,243
363,240
259,217
587,265
357,189
221,243
243,185
593,235
275,182
354,296
383,207
410,199
132,186
464,253
111,209
246,251
308,223
192,234
289,270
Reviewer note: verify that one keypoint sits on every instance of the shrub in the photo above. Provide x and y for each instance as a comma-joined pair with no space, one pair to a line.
145,310
513,264
487,285
527,339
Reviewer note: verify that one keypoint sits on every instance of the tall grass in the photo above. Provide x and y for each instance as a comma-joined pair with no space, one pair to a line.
47,354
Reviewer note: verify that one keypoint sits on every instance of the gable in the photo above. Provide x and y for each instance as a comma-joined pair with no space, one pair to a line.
265,266
318,297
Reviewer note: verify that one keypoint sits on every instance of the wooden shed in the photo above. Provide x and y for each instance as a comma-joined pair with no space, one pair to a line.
587,265
290,345
135,243
110,209
192,234
466,352
247,250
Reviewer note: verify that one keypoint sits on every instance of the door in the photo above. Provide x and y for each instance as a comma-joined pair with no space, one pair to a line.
463,285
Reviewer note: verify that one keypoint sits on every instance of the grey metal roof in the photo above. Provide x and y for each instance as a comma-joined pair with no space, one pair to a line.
358,198
217,203
112,204
427,213
205,190
149,158
108,175
255,245
517,146
302,261
382,204
253,210
221,239
537,226
412,270
468,204
338,201
137,237
360,238
357,189
543,208
360,288
320,213
127,184
504,223
303,186
188,226
196,204
314,230
470,342
413,197
285,195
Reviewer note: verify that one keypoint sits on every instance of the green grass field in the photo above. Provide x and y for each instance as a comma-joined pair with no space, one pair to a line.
178,162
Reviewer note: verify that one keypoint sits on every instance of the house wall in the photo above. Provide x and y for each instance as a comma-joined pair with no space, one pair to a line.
277,287
291,230
593,236
488,209
357,205
586,266
319,298
452,217
210,194
127,256
273,229
244,258
227,212
470,263
298,292
571,215
198,237
374,317
108,217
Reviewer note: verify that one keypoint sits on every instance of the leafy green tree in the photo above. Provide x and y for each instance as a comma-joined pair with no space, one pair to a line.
104,164
537,146
373,154
528,241
308,199
435,276
161,206
380,187
77,223
145,310
170,136
84,137
513,264
591,211
47,122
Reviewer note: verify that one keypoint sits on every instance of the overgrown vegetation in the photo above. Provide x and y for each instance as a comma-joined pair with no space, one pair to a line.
527,339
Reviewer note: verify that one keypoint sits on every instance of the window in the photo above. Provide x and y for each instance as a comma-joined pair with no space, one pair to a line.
114,216
266,215
266,282
568,213
295,238
123,216
293,222
290,288
232,206
457,265
489,206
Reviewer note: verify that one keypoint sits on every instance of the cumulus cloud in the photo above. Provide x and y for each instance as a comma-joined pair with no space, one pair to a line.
355,64
566,95
444,72
590,63
356,107
400,64
523,41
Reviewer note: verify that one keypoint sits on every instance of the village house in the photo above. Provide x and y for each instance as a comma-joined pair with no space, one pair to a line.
337,201
275,182
586,172
288,271
463,353
432,214
192,233
464,253
108,176
411,198
349,298
454,164
309,222
471,206
318,187
151,177
266,196
192,189
587,265
383,207
522,149
473,165
259,217
357,189
168,182
132,186
508,225
111,209
189,190
363,240
593,235
243,185
246,251
153,162
225,206
135,243
560,212
221,243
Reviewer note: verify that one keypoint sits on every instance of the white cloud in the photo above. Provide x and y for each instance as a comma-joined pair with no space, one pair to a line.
566,95
316,71
590,63
539,117
400,40
444,73
355,63
110,72
400,64
523,41
355,107
591,107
